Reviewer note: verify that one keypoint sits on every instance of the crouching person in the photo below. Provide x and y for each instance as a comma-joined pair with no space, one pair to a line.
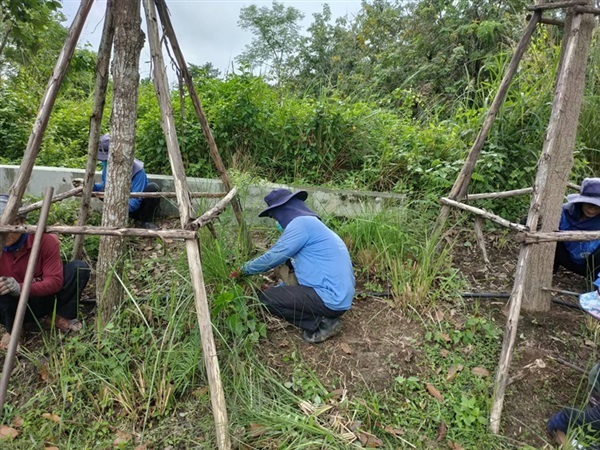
320,284
55,288
588,419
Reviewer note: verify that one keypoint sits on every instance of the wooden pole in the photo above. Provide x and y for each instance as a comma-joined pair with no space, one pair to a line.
212,145
103,231
37,205
102,68
212,213
478,226
556,5
556,159
461,184
539,195
209,349
24,298
17,190
483,213
558,236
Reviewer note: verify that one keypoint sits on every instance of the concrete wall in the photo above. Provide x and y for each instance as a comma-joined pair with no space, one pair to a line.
345,203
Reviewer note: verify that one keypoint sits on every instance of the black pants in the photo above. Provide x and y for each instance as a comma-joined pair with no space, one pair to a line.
590,269
76,276
300,305
148,207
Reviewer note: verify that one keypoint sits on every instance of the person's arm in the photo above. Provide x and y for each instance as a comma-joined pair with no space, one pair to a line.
99,187
290,243
51,280
138,184
569,417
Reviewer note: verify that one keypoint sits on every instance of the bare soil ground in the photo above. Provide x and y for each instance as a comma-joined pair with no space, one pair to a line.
378,341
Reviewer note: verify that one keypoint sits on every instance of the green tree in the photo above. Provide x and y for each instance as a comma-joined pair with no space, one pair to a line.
276,38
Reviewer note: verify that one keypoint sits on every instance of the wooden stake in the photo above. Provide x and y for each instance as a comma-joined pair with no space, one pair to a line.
478,225
461,184
102,66
24,298
193,247
212,145
17,190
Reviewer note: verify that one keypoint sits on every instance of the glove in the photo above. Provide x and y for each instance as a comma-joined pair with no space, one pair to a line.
236,274
77,182
10,286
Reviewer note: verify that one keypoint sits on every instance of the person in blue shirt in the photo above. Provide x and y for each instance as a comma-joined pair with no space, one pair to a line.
141,210
581,213
588,419
322,287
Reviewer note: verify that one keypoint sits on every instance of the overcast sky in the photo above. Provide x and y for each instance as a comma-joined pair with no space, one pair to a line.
207,30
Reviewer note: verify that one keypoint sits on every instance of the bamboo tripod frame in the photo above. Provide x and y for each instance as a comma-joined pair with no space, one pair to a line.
527,237
189,224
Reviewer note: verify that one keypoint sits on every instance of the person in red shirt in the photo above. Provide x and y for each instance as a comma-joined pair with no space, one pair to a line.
55,287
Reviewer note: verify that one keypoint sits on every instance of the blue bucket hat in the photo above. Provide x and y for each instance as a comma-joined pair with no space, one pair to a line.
278,197
590,192
103,145
4,202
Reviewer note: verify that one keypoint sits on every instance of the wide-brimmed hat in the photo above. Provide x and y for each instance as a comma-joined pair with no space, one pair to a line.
590,192
278,197
4,202
103,145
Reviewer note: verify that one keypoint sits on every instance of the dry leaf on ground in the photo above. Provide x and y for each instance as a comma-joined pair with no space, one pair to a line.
53,417
17,421
345,348
454,446
434,392
453,371
442,431
8,433
480,371
369,441
122,438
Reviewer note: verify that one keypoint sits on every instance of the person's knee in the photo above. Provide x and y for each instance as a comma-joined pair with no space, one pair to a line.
152,187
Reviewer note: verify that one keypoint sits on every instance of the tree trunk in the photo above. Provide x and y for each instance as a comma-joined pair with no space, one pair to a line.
557,156
102,66
128,43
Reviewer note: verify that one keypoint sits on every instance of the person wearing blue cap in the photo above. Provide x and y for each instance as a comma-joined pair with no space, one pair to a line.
581,213
142,211
321,288
55,287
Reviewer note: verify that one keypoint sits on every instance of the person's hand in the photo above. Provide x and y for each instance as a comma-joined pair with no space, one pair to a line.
77,182
235,275
10,286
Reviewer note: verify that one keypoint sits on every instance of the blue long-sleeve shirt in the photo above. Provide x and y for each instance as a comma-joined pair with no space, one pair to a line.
571,220
320,259
139,181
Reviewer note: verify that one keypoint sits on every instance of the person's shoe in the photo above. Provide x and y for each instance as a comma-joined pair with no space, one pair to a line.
327,329
63,324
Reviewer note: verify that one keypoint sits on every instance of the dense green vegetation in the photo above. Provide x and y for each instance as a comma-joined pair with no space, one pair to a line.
388,100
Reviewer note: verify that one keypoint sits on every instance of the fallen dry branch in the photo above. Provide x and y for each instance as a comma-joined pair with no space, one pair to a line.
483,213
102,231
214,212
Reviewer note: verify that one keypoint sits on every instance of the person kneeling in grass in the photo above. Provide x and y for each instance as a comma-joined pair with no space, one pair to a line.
567,419
54,286
320,287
